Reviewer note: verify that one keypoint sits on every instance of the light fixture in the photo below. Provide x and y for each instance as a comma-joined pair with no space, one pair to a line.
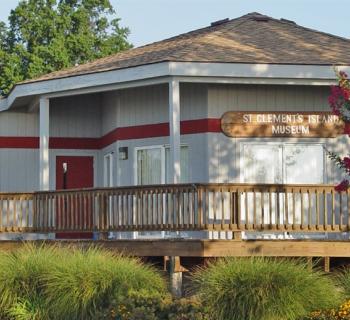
123,153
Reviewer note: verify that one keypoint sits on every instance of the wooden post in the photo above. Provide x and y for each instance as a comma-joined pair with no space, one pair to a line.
237,236
44,120
310,263
175,274
103,235
327,262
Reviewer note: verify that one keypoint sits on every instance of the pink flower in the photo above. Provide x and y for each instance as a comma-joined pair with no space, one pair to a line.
342,186
347,128
346,162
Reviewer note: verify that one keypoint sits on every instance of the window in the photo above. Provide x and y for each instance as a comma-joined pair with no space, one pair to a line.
153,165
287,163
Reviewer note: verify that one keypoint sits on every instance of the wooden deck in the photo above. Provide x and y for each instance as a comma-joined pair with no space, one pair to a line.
301,209
207,248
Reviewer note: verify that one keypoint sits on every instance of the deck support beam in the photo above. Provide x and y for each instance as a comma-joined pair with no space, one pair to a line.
44,124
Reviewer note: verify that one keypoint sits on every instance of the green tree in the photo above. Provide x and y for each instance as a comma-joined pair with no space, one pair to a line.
48,35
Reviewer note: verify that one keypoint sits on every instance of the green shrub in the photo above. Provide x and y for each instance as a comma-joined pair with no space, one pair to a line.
264,289
144,305
86,282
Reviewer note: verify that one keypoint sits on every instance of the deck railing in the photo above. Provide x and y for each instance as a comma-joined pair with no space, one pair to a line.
221,207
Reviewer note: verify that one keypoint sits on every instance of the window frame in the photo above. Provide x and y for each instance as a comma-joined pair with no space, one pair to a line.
163,147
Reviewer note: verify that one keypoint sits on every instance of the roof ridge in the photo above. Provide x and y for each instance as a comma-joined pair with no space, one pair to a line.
296,25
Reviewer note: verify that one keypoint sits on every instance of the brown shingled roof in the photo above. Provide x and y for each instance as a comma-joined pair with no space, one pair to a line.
252,38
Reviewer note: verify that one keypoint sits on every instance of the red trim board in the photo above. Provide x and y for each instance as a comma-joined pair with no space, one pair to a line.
123,133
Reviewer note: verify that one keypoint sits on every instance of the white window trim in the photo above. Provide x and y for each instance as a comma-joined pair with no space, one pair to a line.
279,143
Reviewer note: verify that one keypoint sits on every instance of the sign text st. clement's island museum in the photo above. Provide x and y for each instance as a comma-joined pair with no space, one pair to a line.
281,124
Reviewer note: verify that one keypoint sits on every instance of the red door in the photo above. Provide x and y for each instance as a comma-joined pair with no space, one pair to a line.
75,172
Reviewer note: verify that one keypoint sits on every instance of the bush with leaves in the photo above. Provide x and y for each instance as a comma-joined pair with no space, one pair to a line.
144,305
264,289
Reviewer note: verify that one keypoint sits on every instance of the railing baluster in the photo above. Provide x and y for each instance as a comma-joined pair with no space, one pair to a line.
222,209
348,208
286,213
1,213
239,209
293,205
333,210
325,210
254,209
341,217
14,208
302,209
317,210
262,208
246,210
309,210
270,209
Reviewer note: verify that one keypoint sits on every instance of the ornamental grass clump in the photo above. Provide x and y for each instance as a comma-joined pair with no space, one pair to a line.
264,289
87,282
22,285
54,283
344,281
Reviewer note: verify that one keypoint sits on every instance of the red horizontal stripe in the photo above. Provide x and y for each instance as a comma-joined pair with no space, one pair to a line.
200,126
124,133
74,143
19,142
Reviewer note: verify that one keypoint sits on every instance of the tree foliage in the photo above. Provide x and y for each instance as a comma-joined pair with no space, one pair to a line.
48,35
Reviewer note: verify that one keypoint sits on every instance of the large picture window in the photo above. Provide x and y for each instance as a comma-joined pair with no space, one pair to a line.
282,163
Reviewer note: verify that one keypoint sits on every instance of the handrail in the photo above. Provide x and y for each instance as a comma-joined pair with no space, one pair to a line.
189,207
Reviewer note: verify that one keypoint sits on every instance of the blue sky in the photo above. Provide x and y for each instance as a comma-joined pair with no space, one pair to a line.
153,20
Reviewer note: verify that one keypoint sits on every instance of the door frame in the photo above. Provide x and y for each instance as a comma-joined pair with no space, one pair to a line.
54,155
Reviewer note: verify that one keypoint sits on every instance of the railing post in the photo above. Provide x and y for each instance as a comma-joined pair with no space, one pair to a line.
35,212
200,207
103,211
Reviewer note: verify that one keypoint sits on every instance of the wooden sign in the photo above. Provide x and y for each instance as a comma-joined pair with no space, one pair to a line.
281,124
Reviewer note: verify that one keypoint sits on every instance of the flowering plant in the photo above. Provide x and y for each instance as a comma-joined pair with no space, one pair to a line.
339,101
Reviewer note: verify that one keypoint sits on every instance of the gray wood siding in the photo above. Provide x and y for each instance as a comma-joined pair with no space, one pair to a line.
222,98
19,170
78,116
19,124
149,105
